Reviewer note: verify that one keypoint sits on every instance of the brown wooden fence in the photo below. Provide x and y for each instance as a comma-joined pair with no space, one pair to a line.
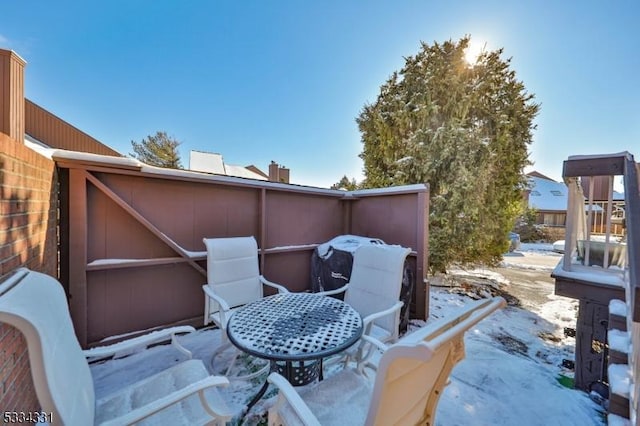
132,257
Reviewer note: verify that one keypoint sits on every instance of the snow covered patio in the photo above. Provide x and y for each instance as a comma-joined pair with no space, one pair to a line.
511,374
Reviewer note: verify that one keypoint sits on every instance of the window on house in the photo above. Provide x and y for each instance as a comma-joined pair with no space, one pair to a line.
536,193
557,193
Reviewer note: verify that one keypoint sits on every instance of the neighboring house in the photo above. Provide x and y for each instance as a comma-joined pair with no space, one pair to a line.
210,162
600,188
537,174
48,129
549,198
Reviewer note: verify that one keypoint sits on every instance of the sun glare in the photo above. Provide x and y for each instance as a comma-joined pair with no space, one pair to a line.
474,50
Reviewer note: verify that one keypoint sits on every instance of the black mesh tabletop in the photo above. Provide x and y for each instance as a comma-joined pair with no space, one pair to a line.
294,327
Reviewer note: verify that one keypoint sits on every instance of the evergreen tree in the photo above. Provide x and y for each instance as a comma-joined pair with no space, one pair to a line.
158,150
462,128
346,184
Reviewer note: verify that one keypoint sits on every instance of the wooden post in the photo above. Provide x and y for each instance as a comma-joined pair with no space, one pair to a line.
422,258
587,248
608,213
347,213
572,224
262,225
78,252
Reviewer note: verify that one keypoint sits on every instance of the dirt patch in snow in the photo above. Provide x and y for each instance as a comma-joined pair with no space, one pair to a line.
512,344
475,287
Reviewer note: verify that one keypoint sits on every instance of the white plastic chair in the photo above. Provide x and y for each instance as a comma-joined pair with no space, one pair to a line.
411,376
233,281
36,305
374,291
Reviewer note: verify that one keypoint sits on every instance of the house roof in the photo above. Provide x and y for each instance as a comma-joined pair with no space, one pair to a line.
50,129
547,195
537,174
240,171
211,162
257,170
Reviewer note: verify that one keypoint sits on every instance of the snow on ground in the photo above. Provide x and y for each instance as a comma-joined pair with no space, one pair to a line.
511,369
542,248
509,376
532,256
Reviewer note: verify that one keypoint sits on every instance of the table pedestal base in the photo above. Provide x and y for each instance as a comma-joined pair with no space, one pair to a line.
298,373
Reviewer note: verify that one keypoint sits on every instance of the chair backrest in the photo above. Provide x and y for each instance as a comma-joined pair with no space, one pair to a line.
376,281
232,270
36,305
414,371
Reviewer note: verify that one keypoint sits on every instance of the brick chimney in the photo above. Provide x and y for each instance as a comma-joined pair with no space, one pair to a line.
283,174
12,95
273,172
278,173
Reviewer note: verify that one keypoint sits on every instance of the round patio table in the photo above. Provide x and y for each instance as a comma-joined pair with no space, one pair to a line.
294,331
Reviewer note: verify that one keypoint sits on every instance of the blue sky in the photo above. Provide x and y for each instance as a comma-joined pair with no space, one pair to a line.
258,81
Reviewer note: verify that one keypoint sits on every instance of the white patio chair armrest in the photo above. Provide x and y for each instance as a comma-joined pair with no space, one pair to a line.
366,350
335,291
219,300
281,289
375,342
128,346
147,410
289,394
370,318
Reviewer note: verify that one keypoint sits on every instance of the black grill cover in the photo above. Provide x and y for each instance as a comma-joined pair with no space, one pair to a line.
331,265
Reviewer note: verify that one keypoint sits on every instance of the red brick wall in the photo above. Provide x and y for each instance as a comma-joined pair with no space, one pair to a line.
16,386
28,209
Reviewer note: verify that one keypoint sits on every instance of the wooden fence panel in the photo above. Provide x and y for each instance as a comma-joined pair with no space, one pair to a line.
144,262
